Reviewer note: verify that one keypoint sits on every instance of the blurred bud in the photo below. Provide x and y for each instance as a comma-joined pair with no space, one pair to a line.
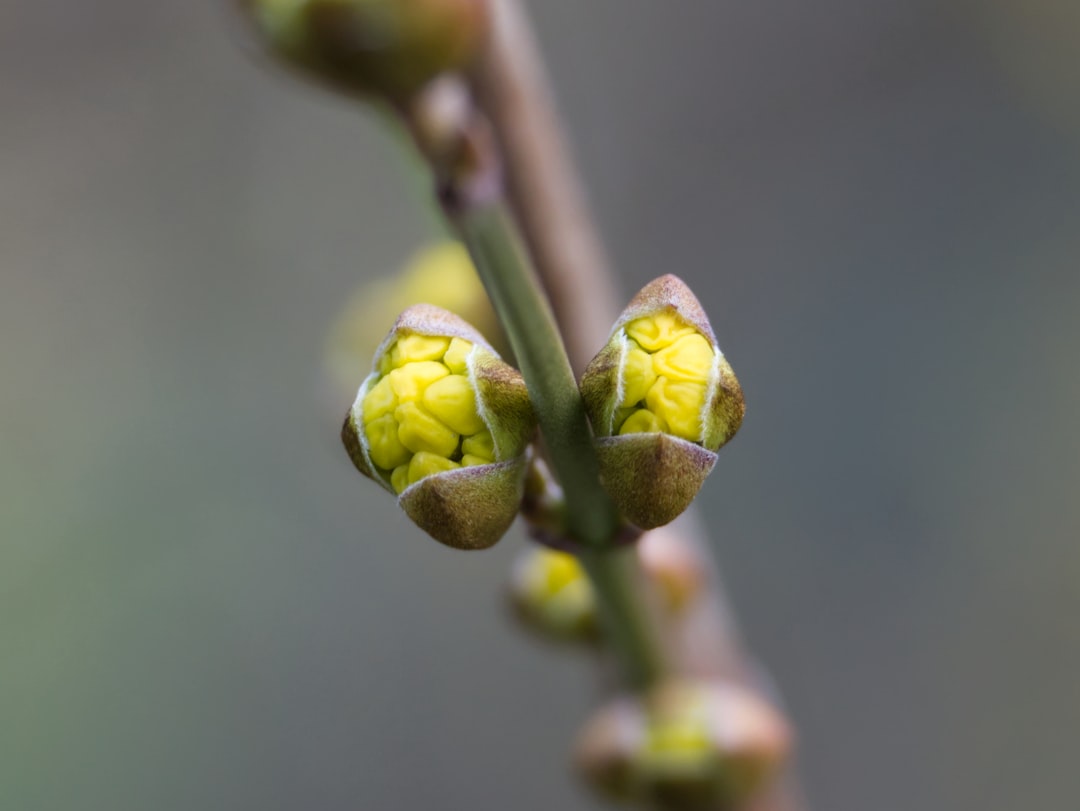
442,274
673,564
388,48
684,747
551,595
662,400
443,423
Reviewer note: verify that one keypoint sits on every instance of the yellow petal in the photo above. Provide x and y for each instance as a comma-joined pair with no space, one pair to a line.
679,405
420,432
455,355
481,444
399,479
638,376
453,401
414,348
380,401
410,381
658,331
643,421
689,360
386,450
424,464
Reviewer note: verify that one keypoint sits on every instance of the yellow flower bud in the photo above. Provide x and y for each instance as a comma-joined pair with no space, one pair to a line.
442,422
662,400
684,746
552,596
388,48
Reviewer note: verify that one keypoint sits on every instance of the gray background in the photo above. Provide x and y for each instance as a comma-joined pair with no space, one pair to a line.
203,606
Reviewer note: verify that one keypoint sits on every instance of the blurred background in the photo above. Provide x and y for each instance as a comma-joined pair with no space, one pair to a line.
203,606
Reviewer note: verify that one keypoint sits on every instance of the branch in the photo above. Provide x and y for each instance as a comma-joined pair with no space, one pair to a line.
513,90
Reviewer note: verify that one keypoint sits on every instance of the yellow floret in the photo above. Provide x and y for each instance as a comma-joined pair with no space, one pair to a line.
453,401
657,331
679,405
481,444
419,431
383,444
399,479
424,464
414,348
455,355
409,381
643,421
638,375
689,359
380,401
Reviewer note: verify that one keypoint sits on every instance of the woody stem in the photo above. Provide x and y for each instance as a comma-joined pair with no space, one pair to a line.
592,520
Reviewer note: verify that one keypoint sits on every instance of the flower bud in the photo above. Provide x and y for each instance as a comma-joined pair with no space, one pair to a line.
685,746
662,400
551,594
387,48
443,423
672,563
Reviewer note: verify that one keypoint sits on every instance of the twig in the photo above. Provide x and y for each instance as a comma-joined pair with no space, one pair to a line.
547,198
513,90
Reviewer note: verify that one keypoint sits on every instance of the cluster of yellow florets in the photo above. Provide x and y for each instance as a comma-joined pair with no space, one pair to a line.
665,377
421,417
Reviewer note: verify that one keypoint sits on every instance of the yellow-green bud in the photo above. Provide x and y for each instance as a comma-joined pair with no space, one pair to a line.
662,400
551,594
685,746
443,423
387,48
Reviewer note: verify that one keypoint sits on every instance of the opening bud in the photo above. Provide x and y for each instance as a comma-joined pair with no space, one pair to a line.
551,595
685,746
387,48
662,400
443,423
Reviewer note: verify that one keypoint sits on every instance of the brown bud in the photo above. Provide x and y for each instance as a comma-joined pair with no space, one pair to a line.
388,48
684,746
674,565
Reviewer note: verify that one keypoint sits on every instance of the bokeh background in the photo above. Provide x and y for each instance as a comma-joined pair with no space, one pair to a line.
203,606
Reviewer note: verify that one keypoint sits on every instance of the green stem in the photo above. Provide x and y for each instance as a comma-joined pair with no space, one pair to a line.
592,519
526,316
